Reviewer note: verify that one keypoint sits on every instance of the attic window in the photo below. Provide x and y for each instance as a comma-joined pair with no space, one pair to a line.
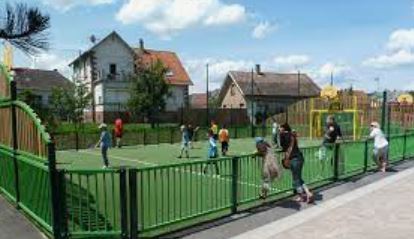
112,69
169,73
232,89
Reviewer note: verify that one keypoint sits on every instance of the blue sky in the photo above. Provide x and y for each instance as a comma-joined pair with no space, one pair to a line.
356,40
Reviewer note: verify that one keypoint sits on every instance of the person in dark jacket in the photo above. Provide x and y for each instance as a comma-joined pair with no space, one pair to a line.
289,145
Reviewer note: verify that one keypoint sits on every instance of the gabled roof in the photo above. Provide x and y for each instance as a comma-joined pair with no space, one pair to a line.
112,34
179,75
269,84
35,79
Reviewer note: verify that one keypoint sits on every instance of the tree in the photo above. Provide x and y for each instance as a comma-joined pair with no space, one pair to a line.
149,90
25,28
70,104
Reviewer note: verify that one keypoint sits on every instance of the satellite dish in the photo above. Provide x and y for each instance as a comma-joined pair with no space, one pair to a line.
92,38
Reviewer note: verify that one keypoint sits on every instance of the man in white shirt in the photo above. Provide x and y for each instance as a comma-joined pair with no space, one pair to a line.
380,146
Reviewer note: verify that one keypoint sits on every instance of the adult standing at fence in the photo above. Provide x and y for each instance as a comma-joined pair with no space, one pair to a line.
104,143
294,160
118,131
380,152
270,170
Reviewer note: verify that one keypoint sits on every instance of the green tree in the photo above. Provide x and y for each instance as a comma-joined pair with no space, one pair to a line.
70,104
149,91
25,28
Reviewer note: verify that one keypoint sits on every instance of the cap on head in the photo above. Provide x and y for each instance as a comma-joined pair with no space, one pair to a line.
259,140
375,124
102,126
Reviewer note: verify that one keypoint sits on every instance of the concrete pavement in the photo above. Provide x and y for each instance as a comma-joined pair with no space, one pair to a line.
381,210
13,224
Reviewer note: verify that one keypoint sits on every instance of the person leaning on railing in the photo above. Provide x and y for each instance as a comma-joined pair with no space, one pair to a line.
294,160
380,152
270,169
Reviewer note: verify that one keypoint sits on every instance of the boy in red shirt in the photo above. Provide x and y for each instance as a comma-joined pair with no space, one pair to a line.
118,131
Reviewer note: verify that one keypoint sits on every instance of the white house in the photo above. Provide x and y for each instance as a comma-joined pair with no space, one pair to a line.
106,68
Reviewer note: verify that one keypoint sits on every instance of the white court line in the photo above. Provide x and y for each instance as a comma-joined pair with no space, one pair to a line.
181,170
272,229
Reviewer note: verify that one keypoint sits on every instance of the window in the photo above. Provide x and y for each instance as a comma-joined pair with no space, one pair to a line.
112,69
169,73
232,90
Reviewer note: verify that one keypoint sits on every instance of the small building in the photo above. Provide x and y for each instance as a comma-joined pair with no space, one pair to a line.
198,101
265,93
107,68
39,83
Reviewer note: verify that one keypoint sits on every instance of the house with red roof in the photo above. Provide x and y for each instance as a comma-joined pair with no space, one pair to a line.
107,67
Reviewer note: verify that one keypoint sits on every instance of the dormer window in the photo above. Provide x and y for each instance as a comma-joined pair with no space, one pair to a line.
169,73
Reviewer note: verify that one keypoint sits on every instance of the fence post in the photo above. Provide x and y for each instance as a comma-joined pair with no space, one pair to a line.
123,202
54,187
171,135
384,103
62,204
145,136
235,133
133,204
366,156
13,94
234,184
336,162
77,140
405,144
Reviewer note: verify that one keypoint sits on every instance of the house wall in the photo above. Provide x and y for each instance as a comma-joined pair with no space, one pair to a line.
113,51
233,98
44,95
179,98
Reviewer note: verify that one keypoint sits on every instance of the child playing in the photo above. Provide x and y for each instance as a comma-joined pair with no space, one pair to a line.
380,146
104,142
212,152
184,141
224,140
118,131
214,129
270,169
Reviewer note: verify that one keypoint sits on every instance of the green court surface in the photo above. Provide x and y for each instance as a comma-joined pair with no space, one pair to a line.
140,156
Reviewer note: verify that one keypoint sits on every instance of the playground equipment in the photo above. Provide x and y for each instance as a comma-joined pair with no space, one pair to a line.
343,107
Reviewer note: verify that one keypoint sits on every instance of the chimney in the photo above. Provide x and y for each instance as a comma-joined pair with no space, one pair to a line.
258,70
141,44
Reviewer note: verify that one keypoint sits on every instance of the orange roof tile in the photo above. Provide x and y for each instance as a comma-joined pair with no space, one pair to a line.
179,75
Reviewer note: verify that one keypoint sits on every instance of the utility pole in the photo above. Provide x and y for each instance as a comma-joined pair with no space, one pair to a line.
298,83
207,96
252,103
332,81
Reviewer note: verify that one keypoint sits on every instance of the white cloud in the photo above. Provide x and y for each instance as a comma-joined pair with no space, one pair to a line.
51,61
67,4
399,58
338,70
218,68
263,29
401,39
167,17
291,62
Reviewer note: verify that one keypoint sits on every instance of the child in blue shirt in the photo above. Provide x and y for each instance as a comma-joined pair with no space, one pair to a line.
212,152
104,143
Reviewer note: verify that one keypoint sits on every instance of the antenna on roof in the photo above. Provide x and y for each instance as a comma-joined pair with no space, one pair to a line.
92,38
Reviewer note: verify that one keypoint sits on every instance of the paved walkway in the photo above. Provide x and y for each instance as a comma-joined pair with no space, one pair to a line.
13,224
381,210
270,214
